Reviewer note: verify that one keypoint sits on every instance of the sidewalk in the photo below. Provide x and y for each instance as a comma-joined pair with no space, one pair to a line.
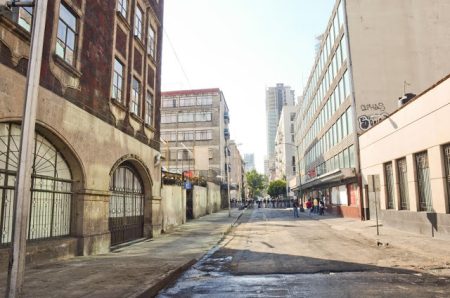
141,269
437,250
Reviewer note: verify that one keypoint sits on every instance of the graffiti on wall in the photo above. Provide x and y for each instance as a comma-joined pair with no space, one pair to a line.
373,107
367,121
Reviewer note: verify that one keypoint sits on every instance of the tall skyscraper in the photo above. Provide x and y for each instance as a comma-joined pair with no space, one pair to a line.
249,160
276,98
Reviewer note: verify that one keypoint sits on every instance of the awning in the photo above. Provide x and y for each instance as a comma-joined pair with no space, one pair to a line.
330,177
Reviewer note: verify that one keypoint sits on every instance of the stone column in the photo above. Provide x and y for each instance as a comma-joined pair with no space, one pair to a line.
90,223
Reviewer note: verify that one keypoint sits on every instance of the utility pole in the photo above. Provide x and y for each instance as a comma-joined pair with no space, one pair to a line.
22,194
228,178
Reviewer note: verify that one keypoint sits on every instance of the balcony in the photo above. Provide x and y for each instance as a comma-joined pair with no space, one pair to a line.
226,133
226,117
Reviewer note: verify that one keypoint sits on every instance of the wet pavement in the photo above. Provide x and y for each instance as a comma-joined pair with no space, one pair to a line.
271,254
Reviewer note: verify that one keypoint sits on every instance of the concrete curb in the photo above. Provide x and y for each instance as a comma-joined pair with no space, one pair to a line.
170,277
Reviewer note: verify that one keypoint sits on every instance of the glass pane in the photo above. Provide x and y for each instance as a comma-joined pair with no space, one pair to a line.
70,42
62,31
60,49
67,17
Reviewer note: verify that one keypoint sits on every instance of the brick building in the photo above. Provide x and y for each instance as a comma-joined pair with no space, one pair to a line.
96,174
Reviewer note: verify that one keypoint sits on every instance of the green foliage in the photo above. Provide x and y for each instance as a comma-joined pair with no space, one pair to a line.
255,183
276,188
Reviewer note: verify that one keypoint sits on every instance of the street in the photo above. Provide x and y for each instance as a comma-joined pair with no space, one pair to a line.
272,254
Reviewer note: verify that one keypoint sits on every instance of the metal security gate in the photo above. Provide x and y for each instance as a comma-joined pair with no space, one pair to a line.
389,185
403,184
51,193
126,207
423,179
447,171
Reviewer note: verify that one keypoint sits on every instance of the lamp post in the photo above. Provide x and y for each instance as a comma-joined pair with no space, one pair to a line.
228,177
22,192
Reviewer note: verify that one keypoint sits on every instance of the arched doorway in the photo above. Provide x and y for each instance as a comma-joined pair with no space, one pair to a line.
51,196
126,207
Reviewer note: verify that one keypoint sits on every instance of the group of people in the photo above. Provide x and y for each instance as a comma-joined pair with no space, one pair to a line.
315,206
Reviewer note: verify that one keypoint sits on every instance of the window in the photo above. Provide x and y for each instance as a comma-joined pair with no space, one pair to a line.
203,135
203,116
423,181
66,38
186,117
122,7
138,20
169,135
350,120
447,170
117,84
205,100
402,183
51,194
389,180
187,101
25,17
135,97
351,153
169,102
185,136
149,109
151,42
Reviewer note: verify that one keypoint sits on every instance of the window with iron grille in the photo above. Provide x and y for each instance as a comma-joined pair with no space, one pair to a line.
135,103
51,192
389,177
403,184
447,171
423,182
67,35
117,84
122,6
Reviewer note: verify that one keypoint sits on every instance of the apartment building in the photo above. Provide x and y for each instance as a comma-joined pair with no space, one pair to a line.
194,125
96,176
372,52
276,98
285,159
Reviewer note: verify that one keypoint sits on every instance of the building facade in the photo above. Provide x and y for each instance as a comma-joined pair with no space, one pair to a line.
285,160
405,164
194,123
237,172
276,98
249,160
369,57
96,177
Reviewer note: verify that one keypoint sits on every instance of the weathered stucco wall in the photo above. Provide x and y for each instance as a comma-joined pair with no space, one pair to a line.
173,206
214,198
199,201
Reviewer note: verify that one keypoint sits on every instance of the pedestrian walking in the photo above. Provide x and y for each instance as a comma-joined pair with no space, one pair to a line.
321,207
309,206
316,205
296,209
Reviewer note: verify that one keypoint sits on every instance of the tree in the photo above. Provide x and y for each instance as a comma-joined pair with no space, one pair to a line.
255,183
276,188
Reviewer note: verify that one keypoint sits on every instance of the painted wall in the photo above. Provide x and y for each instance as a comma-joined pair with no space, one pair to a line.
421,125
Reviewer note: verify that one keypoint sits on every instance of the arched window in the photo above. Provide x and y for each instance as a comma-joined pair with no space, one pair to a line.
126,207
51,192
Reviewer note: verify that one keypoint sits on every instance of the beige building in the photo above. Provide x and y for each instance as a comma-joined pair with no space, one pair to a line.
372,52
405,164
237,172
194,123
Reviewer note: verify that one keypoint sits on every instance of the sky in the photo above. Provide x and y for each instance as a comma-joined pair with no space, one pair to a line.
242,47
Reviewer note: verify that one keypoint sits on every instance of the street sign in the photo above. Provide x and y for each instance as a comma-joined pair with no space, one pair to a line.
187,184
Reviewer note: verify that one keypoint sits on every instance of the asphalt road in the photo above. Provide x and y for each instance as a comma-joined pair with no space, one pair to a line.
272,254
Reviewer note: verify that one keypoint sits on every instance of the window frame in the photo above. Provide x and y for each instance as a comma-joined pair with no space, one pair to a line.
135,100
75,34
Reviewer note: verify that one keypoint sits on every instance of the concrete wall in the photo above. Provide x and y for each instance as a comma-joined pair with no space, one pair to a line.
173,206
395,46
421,125
214,198
199,201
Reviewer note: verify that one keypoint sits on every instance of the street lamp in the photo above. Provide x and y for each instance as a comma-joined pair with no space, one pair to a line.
22,192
